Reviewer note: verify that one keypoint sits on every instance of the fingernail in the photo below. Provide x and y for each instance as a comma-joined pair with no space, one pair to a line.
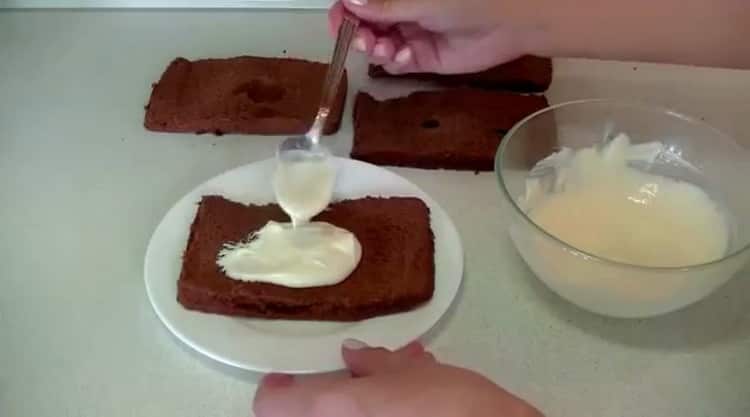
403,56
359,44
278,380
354,344
379,50
358,2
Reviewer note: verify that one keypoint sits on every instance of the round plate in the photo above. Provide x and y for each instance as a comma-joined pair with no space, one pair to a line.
281,345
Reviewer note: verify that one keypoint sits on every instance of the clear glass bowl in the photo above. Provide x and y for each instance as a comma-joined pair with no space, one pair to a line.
720,166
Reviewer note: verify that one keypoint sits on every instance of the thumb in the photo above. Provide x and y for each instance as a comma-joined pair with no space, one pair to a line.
387,11
363,360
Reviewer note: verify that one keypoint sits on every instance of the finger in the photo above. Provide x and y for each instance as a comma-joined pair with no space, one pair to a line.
362,360
424,44
273,381
417,352
268,393
383,51
286,396
379,28
335,17
388,11
364,40
403,61
415,348
419,52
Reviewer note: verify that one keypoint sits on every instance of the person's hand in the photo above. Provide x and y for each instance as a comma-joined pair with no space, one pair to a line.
453,36
405,383
445,36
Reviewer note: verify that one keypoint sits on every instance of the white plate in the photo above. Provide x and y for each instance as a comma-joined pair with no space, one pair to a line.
289,346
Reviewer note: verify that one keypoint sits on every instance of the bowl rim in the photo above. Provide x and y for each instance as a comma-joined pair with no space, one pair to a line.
507,138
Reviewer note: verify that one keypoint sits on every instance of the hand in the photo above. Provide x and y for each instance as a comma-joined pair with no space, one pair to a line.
405,383
445,36
452,36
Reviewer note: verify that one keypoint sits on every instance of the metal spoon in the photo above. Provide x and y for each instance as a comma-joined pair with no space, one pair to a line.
304,178
308,146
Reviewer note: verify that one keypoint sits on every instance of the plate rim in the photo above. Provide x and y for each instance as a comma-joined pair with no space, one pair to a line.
432,320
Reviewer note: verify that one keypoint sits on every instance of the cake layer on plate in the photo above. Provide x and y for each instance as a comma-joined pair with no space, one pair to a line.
396,273
250,95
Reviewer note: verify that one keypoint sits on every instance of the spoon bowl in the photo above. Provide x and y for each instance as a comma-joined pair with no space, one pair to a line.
301,148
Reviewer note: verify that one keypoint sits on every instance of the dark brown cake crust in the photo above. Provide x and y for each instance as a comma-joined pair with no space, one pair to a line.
396,272
454,129
528,74
248,95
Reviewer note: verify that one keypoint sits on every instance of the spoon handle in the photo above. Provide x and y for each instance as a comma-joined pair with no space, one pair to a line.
333,76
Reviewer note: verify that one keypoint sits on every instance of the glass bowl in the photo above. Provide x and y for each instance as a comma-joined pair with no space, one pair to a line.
693,152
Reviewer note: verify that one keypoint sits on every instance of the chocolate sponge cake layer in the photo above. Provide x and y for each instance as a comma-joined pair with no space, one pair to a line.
247,95
452,129
528,74
396,273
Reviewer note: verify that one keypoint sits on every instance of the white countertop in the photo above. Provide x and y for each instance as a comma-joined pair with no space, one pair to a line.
83,185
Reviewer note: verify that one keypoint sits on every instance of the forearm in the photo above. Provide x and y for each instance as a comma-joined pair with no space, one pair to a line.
698,32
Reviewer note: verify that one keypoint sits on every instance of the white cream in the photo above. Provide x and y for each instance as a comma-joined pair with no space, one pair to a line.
606,202
313,255
304,188
300,254
601,205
